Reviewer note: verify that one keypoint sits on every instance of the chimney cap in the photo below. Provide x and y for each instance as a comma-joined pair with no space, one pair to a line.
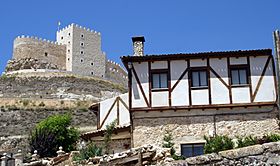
138,38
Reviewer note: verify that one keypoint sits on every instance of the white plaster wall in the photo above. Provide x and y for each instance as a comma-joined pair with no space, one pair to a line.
219,92
198,62
160,99
124,112
104,108
238,61
240,94
137,97
180,95
266,90
159,65
256,65
200,97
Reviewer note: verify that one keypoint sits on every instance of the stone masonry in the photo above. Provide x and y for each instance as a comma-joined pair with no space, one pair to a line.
77,50
191,126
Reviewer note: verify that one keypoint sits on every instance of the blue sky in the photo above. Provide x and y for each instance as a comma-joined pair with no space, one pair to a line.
168,26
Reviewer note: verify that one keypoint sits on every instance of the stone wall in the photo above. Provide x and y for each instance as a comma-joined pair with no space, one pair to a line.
58,87
265,154
84,54
43,50
116,145
116,73
191,126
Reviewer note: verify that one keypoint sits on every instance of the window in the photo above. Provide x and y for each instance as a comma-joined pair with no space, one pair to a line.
82,35
91,73
61,37
82,44
239,76
91,64
82,52
68,51
68,59
82,60
190,150
69,34
68,42
199,78
159,80
46,54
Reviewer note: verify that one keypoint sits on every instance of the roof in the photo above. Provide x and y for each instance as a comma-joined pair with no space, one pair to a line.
238,53
118,129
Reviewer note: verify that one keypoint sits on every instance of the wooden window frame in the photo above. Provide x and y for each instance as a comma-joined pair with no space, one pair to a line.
239,67
159,71
192,144
198,69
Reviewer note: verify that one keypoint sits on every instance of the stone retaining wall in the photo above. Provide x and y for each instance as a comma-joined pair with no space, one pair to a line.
190,126
265,154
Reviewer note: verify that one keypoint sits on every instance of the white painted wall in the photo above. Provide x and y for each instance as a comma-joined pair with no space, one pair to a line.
200,97
198,62
219,92
238,61
180,95
159,65
240,95
123,111
137,97
160,99
266,90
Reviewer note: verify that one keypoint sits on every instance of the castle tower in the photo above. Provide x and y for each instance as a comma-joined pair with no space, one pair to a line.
83,50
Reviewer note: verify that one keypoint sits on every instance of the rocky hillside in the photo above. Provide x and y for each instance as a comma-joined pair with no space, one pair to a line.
58,87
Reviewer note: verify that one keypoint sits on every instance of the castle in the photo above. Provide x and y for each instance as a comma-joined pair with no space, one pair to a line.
76,50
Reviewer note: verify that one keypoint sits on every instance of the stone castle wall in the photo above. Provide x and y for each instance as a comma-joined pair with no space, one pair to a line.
116,73
191,126
40,49
84,54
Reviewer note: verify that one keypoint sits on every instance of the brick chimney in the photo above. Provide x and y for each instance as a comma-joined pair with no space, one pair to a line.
138,45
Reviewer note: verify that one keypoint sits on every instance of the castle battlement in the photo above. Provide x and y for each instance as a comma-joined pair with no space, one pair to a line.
80,27
37,39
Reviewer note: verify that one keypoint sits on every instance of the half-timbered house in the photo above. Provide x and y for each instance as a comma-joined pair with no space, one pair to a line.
193,95
197,94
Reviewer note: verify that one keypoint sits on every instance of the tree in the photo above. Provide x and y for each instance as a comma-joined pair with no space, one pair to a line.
51,133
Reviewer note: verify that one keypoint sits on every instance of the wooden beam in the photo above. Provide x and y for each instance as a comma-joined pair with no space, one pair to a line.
108,113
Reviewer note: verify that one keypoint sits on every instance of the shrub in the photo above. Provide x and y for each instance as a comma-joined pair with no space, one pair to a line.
108,135
270,138
217,143
51,133
90,151
168,143
246,141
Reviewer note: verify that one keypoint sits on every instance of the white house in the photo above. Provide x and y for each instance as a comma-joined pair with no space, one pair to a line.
195,94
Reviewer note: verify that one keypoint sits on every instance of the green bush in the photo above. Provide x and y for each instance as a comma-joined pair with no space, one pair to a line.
108,135
90,151
168,143
217,143
246,141
51,133
270,138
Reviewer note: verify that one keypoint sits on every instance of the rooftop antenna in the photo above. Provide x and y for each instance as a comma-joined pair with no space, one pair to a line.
58,25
